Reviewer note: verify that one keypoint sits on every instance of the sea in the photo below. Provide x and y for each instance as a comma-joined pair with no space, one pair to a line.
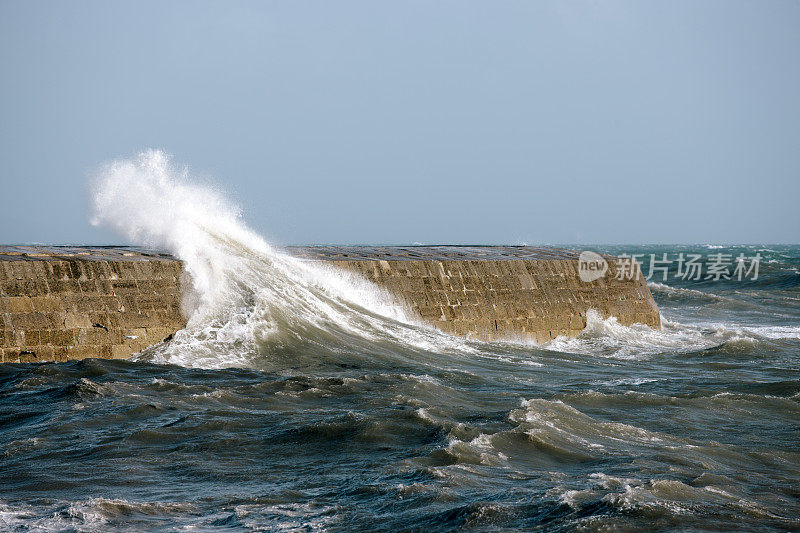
300,400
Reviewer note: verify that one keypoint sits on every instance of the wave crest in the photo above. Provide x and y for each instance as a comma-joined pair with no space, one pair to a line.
245,299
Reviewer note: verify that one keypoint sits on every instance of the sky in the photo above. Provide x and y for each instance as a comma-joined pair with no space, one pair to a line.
433,122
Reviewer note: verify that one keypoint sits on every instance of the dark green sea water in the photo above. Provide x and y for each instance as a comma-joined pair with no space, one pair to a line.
286,407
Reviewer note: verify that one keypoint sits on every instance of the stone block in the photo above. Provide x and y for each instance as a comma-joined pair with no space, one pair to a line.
89,286
119,351
73,320
62,337
6,337
9,354
101,317
34,338
125,286
14,287
30,321
95,336
83,351
100,270
44,353
47,303
16,304
60,353
62,286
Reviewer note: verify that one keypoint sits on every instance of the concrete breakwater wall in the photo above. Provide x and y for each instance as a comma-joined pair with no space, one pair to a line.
496,292
60,303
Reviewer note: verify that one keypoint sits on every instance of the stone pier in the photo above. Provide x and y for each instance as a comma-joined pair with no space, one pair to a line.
59,303
496,292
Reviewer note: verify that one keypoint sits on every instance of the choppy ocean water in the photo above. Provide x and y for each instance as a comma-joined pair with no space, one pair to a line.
297,400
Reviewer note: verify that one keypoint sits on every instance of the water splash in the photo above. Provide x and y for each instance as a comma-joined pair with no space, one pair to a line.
153,203
248,303
244,298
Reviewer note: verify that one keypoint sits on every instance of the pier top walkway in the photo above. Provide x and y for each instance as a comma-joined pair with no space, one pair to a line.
318,253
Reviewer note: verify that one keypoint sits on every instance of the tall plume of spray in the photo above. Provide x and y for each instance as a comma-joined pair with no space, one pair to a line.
246,301
152,203
246,298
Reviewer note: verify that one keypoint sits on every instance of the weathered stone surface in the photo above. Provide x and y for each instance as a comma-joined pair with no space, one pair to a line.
61,303
496,292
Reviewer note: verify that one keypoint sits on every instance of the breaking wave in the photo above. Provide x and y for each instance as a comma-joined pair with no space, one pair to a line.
606,337
680,293
243,296
248,304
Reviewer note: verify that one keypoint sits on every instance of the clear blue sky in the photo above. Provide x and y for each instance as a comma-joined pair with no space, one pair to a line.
401,122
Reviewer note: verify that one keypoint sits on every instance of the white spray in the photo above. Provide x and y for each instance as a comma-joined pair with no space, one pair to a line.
244,297
246,301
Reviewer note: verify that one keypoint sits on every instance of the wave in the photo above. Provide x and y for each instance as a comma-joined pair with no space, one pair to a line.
681,293
606,337
664,499
244,299
249,305
105,514
94,514
774,332
547,434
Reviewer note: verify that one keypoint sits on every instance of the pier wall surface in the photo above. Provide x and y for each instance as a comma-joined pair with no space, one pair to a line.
61,303
496,292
